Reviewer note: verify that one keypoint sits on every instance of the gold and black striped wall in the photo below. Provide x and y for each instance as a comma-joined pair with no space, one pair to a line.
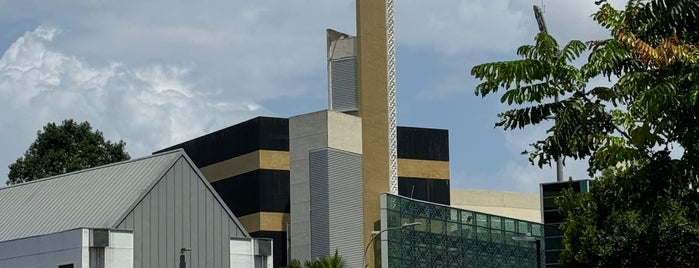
423,164
248,166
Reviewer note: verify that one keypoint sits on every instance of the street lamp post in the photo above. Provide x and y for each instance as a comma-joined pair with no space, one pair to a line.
183,260
374,234
529,238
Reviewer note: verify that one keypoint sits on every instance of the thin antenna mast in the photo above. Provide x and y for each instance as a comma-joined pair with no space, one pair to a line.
538,14
540,19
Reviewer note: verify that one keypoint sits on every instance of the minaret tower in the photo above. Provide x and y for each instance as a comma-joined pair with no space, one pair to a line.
377,106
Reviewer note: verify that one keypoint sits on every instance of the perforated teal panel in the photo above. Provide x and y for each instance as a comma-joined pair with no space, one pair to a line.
450,237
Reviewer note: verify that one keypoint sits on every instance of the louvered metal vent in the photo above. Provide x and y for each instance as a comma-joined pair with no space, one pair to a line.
336,204
343,75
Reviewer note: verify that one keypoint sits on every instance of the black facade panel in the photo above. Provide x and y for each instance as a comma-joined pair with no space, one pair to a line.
552,230
555,189
259,190
260,133
431,190
553,257
274,190
278,247
553,243
273,134
423,143
552,217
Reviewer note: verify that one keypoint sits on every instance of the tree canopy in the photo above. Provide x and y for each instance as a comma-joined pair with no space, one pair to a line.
640,134
334,261
64,148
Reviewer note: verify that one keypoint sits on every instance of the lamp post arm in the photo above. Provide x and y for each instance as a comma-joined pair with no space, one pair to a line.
373,236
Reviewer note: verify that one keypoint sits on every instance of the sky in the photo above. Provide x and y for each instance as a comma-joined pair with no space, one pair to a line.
154,73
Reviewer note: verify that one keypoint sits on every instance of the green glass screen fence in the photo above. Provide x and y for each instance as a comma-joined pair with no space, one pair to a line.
452,237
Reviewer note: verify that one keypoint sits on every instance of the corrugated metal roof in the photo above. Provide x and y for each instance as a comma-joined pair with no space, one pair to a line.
93,198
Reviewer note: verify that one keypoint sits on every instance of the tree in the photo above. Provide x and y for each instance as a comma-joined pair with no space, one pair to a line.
643,209
643,216
334,261
65,148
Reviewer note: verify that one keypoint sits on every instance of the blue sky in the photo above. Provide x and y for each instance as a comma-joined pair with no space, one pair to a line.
155,73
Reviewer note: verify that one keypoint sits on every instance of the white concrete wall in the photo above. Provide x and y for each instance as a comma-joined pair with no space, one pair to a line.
317,130
344,132
71,246
306,132
241,252
343,48
507,204
119,254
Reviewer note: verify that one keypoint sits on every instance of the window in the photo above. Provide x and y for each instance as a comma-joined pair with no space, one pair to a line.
66,266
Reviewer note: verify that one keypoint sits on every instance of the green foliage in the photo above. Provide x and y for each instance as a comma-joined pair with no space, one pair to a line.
643,216
334,261
294,264
642,211
64,148
544,72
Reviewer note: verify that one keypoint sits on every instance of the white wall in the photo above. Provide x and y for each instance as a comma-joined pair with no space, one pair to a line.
521,206
242,253
307,132
119,254
71,246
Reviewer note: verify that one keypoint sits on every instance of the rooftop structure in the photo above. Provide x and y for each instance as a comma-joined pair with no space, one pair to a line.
163,201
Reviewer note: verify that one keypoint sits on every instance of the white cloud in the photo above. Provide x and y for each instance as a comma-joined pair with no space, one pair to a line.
517,175
150,107
255,50
515,172
454,27
457,27
521,173
154,73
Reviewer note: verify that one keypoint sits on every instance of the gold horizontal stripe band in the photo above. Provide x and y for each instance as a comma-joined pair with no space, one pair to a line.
265,221
428,169
260,159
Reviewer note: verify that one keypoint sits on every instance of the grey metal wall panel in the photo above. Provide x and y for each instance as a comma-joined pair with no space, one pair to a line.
138,236
217,236
345,188
194,225
201,226
170,201
186,211
165,229
343,85
336,204
127,224
320,227
178,209
146,233
162,220
104,193
209,232
153,228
